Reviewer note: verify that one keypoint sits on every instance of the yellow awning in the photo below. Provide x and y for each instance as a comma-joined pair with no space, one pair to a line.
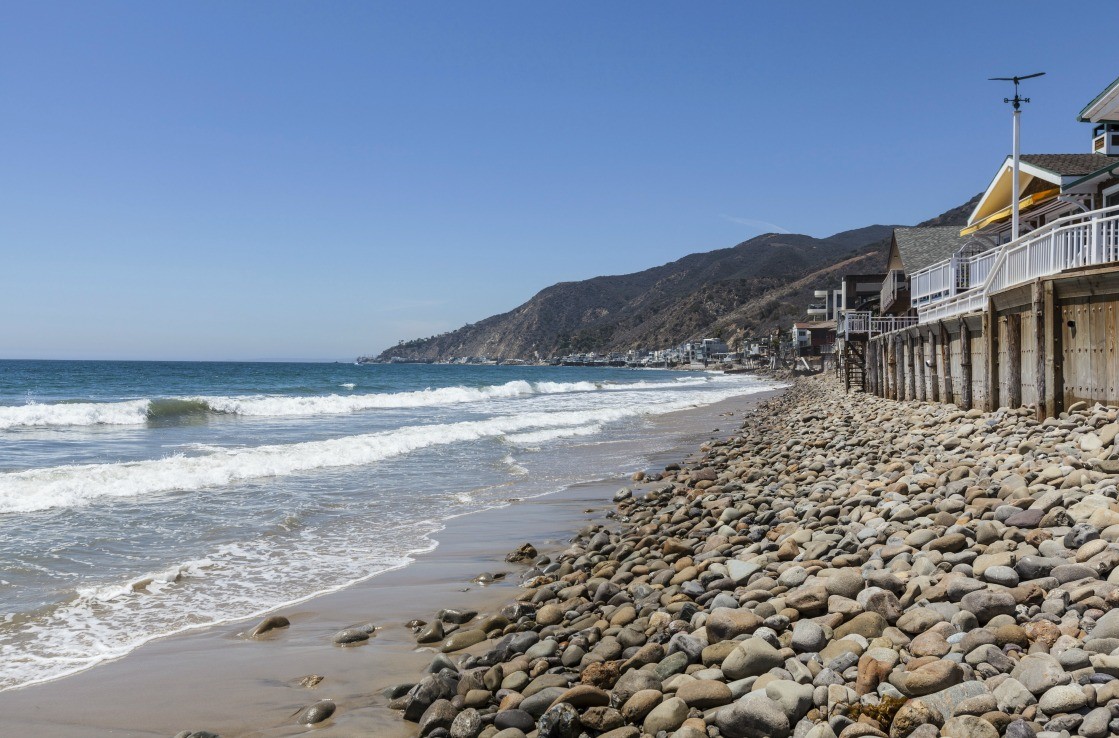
1026,202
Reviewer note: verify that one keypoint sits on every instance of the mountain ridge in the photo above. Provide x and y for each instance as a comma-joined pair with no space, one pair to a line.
733,292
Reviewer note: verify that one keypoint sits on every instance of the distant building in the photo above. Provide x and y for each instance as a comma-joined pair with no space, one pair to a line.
713,348
855,292
810,339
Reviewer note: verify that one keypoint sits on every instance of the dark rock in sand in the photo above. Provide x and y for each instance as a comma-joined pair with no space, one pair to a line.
270,623
431,633
396,691
310,680
316,713
456,617
350,637
435,687
522,555
196,734
462,639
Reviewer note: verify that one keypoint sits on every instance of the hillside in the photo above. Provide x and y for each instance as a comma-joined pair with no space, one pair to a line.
760,284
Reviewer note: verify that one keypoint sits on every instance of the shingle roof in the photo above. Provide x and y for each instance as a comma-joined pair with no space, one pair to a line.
920,247
1069,165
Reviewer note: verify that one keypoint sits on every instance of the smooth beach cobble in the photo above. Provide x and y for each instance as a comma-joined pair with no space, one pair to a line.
844,566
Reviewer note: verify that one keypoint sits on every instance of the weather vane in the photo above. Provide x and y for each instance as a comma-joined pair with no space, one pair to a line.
1017,101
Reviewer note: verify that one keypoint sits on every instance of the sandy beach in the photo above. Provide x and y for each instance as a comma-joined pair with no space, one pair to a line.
219,680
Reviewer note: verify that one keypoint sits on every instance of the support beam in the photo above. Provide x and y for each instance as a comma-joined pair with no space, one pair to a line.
922,370
991,356
1054,365
899,368
872,367
910,366
1041,349
946,359
966,369
934,383
891,362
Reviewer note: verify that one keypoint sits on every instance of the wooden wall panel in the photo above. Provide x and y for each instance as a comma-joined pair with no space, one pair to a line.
956,359
1076,342
978,369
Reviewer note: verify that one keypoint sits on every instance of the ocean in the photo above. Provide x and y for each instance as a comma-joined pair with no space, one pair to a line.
143,499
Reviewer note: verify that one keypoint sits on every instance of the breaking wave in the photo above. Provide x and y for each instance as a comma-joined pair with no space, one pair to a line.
75,485
138,412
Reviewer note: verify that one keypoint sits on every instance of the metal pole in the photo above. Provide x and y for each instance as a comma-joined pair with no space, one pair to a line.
1014,194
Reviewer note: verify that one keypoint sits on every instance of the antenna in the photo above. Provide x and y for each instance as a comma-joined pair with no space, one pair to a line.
1016,100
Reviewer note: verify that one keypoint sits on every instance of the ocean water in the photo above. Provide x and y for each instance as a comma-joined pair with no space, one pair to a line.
142,499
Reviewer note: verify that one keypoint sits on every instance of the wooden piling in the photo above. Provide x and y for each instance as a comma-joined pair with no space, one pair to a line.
934,374
991,356
922,369
910,364
966,375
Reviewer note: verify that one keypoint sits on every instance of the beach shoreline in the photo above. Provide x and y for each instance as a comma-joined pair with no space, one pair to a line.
218,680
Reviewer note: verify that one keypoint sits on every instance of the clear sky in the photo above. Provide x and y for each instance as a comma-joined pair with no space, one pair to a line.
317,180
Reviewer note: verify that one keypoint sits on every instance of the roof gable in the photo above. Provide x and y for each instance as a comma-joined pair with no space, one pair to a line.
1104,106
1061,170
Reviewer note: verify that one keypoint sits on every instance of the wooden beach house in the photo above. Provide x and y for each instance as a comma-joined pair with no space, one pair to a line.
1008,322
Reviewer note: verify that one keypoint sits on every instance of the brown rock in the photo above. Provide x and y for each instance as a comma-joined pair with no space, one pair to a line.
603,674
640,704
584,695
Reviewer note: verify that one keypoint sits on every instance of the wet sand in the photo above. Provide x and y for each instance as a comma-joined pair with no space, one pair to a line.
218,680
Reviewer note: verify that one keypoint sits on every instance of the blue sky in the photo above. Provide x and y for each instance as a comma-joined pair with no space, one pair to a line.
227,180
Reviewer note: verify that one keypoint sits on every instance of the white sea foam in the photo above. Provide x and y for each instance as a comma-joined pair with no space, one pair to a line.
136,412
130,412
236,581
513,465
542,436
280,406
76,485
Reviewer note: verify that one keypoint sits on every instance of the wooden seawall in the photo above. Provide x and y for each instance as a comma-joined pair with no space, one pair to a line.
1049,343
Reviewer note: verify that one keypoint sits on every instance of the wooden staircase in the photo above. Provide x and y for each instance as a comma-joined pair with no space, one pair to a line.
854,365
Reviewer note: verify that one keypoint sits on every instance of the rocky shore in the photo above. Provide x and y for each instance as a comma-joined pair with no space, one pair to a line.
845,566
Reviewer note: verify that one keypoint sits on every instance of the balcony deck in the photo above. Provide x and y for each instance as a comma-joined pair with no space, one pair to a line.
962,285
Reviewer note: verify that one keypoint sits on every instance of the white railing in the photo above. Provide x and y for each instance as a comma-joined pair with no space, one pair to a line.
863,322
894,282
931,282
1080,240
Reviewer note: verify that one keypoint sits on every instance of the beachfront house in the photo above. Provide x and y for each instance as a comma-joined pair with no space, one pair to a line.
911,250
1055,190
1007,321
